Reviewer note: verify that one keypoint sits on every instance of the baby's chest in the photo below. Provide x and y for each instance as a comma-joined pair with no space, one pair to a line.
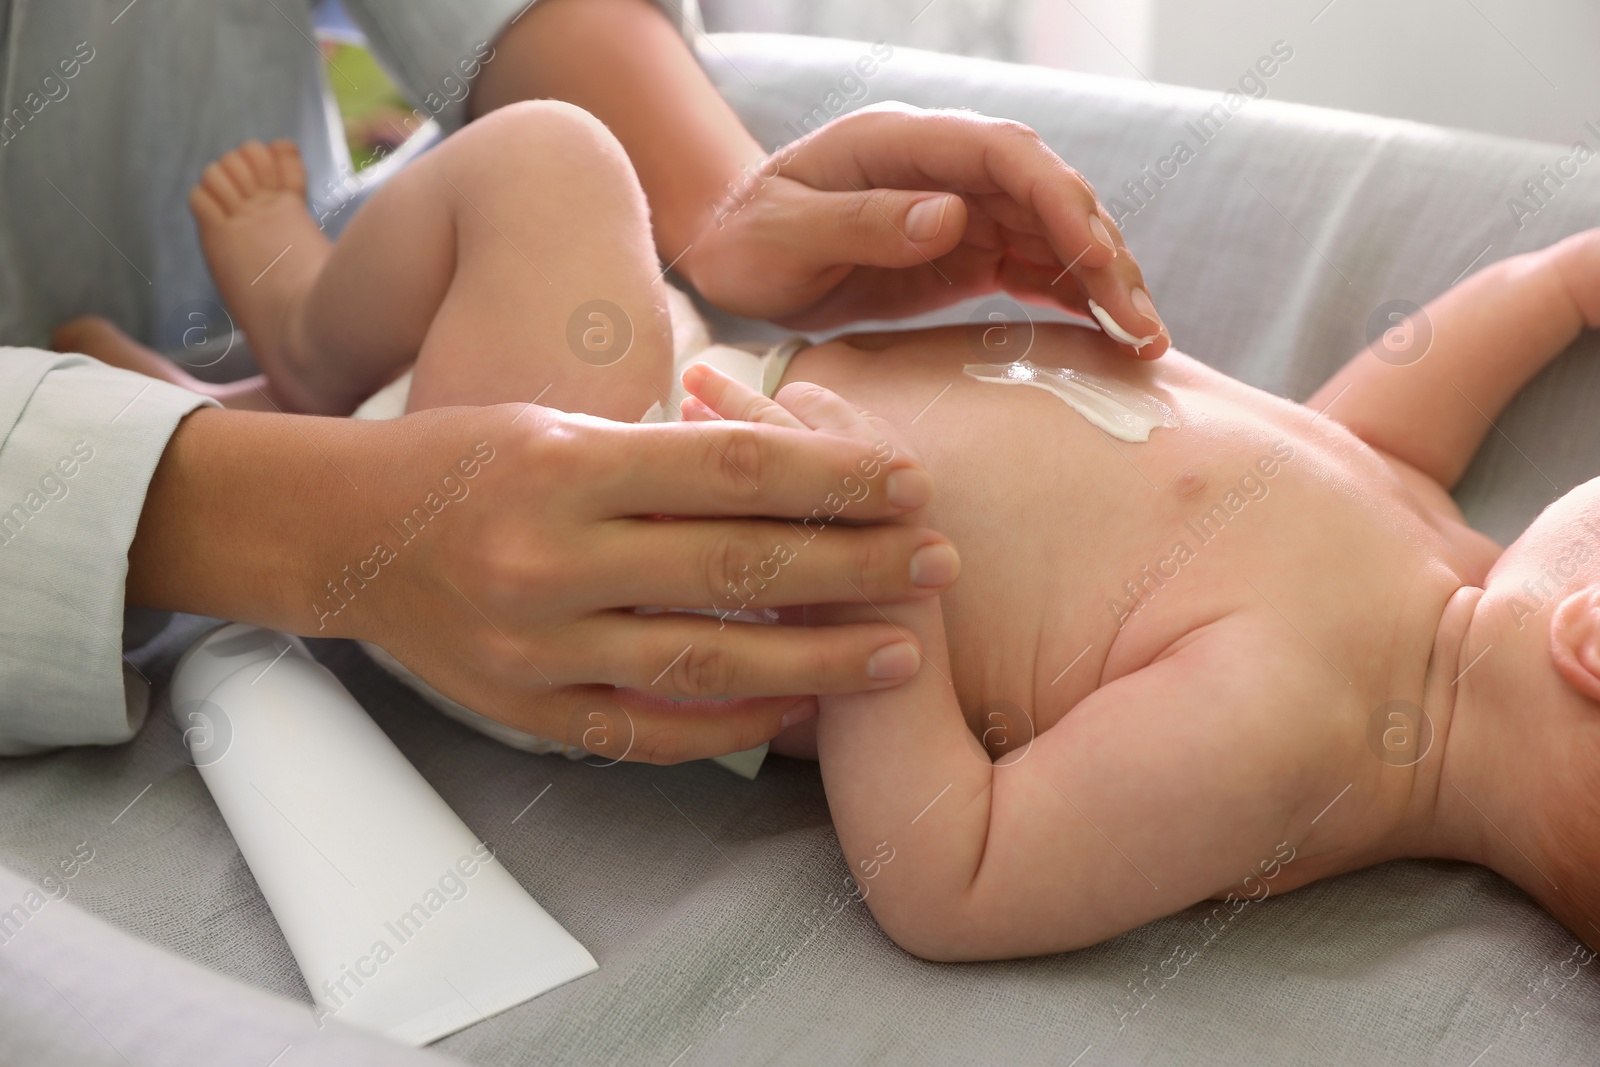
1062,594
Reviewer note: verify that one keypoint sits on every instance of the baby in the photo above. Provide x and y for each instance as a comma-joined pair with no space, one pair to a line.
1257,649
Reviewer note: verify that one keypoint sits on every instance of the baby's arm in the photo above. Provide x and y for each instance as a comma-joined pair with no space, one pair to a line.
1490,335
1160,789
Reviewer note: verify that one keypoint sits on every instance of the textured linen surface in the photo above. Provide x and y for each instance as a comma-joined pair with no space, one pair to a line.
710,902
74,990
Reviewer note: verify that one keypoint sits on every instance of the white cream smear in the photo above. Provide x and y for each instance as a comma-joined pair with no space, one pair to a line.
1110,326
1116,407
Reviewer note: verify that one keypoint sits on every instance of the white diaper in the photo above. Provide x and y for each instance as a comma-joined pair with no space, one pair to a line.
760,367
757,366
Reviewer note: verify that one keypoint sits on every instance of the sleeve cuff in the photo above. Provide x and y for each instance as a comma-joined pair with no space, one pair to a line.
79,442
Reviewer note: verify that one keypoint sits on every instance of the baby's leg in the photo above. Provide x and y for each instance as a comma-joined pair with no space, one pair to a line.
512,262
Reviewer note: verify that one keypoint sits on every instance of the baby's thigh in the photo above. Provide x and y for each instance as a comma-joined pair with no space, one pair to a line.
556,293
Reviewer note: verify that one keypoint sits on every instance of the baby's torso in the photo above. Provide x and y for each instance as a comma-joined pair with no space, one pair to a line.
1085,558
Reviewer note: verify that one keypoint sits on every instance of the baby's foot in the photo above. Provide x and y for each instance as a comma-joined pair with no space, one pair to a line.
94,336
265,251
99,338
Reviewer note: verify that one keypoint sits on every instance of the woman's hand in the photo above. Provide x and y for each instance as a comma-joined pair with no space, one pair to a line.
893,210
498,552
886,212
713,396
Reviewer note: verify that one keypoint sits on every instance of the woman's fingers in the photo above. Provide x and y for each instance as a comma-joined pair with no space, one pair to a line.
724,565
881,228
619,725
680,656
1009,171
1120,292
729,468
895,146
626,724
1119,288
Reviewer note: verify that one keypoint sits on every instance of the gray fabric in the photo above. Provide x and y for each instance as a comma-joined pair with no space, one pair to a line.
709,901
74,990
79,442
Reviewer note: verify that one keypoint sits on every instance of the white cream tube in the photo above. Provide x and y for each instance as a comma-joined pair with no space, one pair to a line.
401,920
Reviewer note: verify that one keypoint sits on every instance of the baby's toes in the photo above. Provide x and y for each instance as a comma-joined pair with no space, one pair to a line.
219,187
263,165
205,207
237,168
290,167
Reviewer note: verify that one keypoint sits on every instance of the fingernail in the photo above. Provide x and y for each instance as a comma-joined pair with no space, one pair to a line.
933,566
894,661
1100,232
925,217
909,488
806,709
1143,305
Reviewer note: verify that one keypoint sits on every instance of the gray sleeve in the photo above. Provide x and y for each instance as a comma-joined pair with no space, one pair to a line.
79,442
433,49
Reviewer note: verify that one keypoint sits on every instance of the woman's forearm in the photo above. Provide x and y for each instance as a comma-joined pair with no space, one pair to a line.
623,61
247,514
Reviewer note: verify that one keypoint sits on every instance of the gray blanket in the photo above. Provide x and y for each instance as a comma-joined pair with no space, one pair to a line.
707,899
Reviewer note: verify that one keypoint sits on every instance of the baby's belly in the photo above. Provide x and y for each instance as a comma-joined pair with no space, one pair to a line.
1084,557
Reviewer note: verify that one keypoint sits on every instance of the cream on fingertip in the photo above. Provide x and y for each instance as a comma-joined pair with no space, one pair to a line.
1110,326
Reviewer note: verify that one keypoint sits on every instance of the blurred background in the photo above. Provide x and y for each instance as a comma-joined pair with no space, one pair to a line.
1522,68
1519,68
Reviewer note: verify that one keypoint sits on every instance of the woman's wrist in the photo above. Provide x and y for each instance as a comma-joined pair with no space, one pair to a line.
249,514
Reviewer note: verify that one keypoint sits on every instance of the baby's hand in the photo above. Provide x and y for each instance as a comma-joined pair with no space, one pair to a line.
798,405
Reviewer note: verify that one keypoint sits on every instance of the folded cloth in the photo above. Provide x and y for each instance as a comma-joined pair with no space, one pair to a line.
757,366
